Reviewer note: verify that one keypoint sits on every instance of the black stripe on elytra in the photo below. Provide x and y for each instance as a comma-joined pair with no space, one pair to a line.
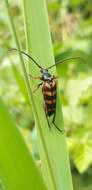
46,97
51,106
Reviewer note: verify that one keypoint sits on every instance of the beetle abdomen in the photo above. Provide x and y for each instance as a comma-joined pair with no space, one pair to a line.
49,94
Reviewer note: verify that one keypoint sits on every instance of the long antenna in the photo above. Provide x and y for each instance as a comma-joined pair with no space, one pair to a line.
14,49
64,60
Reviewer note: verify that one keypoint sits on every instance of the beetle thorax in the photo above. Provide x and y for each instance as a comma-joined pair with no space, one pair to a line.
46,76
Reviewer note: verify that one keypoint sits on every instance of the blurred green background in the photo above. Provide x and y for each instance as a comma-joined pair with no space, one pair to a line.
71,31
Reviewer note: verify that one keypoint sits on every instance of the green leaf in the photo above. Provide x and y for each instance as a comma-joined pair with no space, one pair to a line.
17,169
55,163
82,155
74,115
77,88
54,6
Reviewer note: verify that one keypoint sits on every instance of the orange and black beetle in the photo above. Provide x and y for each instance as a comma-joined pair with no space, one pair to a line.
49,88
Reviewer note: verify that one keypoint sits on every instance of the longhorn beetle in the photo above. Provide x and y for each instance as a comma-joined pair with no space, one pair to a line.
49,87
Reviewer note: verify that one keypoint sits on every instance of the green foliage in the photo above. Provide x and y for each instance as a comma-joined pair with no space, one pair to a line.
50,157
71,30
17,169
78,95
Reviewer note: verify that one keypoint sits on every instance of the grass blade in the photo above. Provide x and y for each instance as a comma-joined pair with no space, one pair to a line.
55,162
21,83
17,168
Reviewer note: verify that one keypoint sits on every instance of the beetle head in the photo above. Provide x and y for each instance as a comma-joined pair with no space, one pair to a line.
46,76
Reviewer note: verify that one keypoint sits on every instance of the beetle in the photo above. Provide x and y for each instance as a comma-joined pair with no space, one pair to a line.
49,87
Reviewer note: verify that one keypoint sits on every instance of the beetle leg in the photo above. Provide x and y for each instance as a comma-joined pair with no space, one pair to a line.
37,87
60,130
34,78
